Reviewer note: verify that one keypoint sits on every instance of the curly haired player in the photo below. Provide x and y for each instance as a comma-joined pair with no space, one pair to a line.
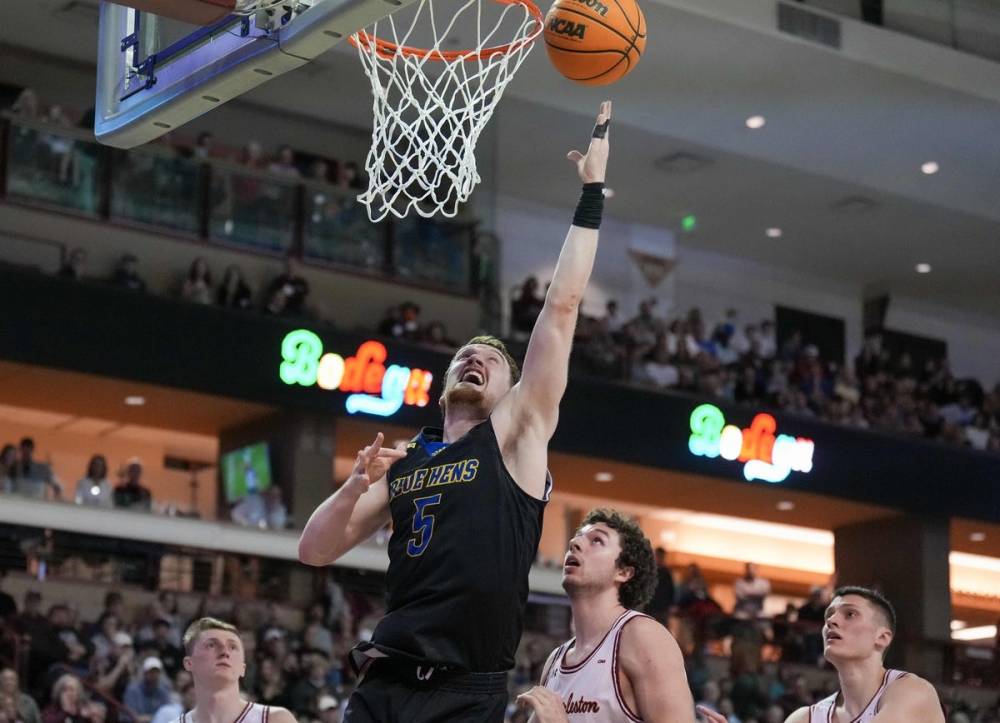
622,665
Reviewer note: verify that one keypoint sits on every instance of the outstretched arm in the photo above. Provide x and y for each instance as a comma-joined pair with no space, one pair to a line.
354,512
532,407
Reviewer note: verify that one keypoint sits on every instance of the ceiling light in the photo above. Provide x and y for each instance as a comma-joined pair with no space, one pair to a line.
930,168
923,268
786,505
773,232
981,632
134,400
604,477
958,624
755,122
977,536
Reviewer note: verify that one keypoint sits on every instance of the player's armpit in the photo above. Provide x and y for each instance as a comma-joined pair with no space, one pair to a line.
910,699
548,666
651,660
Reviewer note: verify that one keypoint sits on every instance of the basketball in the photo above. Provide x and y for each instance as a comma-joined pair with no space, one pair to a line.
595,42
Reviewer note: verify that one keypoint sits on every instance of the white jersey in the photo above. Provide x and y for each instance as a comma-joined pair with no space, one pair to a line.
252,713
590,690
823,711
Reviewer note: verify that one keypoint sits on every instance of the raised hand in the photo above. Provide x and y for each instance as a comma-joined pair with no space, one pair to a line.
546,705
592,166
372,463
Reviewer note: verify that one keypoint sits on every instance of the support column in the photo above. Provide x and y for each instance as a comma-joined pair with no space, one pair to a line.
301,448
906,559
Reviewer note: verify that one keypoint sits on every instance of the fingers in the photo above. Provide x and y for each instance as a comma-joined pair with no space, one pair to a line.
575,156
529,700
391,453
603,120
710,715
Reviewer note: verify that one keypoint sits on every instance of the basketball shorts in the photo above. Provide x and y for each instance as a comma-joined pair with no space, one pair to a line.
398,693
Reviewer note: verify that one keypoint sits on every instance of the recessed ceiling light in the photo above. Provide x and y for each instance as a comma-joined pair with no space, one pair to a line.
134,400
755,122
774,232
977,536
604,477
930,168
923,268
786,505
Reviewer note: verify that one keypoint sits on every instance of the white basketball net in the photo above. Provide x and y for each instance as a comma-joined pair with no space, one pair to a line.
430,107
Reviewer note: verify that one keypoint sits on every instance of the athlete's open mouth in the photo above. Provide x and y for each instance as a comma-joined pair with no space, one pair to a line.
473,376
571,562
832,636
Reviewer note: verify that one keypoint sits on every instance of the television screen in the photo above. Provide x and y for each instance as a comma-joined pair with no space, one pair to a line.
247,469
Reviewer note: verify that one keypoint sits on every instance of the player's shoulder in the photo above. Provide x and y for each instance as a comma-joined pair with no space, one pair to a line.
642,630
276,714
909,687
643,638
800,716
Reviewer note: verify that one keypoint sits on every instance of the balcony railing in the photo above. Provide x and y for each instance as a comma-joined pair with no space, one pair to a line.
220,203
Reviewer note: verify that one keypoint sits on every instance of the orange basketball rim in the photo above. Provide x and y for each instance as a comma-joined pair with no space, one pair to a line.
388,50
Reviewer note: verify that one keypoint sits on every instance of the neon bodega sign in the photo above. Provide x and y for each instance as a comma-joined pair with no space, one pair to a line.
767,457
373,387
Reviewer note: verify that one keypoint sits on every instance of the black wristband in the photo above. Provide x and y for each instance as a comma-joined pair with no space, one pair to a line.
591,206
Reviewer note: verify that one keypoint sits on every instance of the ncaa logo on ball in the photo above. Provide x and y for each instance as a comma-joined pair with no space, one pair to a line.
568,28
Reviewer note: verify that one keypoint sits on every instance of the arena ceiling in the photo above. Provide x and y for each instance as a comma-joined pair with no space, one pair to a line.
838,129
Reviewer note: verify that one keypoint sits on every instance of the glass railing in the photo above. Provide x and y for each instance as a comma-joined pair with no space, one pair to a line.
156,187
250,208
54,165
972,26
432,252
337,230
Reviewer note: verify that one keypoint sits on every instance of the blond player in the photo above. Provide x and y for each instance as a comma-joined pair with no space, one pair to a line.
622,665
859,628
214,657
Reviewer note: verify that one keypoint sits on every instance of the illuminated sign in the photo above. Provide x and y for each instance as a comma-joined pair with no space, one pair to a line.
373,387
768,457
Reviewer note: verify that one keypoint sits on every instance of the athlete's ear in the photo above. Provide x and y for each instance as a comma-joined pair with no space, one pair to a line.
188,663
625,574
883,638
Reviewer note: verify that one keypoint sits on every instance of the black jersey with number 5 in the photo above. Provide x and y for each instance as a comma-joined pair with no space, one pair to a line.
463,540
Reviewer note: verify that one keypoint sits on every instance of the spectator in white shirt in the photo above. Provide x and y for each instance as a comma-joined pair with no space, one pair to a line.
750,591
266,511
768,339
94,489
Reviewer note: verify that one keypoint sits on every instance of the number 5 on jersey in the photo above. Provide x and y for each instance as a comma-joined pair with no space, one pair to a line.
423,525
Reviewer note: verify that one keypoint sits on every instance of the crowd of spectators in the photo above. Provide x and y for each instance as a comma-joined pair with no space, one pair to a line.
23,475
286,162
126,665
747,363
287,294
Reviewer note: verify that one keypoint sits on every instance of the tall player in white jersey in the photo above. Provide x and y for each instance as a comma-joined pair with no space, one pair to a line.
214,657
860,625
622,666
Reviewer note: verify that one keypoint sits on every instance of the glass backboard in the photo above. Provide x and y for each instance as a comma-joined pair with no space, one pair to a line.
155,74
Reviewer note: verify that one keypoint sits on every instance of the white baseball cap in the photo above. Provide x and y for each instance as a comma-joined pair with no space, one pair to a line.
152,663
